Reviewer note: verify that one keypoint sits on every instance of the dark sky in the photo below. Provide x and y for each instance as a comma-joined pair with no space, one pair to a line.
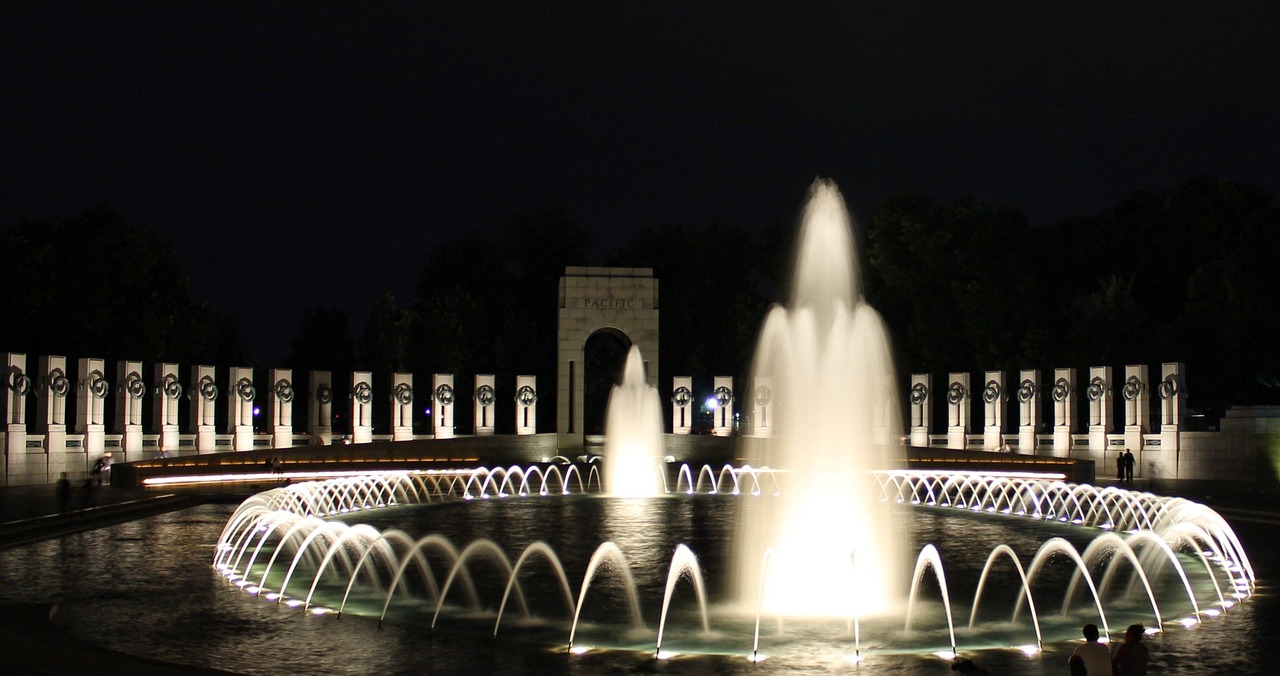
310,153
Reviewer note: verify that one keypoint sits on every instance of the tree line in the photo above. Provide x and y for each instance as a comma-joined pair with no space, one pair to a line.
1187,274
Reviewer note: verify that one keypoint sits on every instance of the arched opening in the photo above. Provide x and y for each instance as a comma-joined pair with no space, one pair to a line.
603,355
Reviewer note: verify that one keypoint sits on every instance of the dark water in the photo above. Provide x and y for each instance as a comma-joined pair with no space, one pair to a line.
146,588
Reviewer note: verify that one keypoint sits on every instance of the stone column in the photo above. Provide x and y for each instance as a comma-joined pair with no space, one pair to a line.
762,407
484,397
240,396
51,406
1063,395
444,399
281,415
165,409
957,410
130,390
1028,409
402,407
1137,409
204,405
1098,392
320,408
681,404
921,398
17,385
1172,391
722,417
361,407
993,398
526,404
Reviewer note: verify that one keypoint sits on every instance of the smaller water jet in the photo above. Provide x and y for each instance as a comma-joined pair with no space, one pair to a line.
633,435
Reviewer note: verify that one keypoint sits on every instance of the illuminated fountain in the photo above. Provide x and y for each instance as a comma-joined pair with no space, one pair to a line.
826,357
633,428
816,569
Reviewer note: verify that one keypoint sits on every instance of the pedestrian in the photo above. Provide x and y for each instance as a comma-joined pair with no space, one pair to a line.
1077,666
1120,466
1128,465
86,498
1131,656
64,494
1095,656
98,468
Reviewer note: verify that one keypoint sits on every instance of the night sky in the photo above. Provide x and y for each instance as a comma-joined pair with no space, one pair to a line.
310,153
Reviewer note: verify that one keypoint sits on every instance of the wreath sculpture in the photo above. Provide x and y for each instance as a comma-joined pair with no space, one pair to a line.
324,394
526,395
1026,391
171,388
1132,388
134,386
19,382
362,393
1168,388
1097,387
58,383
208,388
723,395
98,385
681,397
1061,390
991,393
245,389
403,394
284,390
956,393
763,395
484,395
919,393
444,394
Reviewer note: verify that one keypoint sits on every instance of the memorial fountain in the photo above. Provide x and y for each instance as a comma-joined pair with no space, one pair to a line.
821,521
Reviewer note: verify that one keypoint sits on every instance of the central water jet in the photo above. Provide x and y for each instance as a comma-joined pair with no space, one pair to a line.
633,434
826,359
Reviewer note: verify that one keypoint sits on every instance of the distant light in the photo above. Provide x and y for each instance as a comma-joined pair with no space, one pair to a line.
712,403
255,410
1029,649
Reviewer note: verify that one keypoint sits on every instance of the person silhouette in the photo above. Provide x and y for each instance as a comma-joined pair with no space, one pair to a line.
1095,656
1120,466
1128,465
64,494
1131,656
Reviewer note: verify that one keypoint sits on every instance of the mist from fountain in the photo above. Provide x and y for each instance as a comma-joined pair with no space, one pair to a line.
824,375
633,435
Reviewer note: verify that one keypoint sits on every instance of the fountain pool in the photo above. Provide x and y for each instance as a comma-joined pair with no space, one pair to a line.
1014,564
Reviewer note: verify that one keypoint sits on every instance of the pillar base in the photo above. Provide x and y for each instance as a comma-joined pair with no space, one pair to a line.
956,438
1062,441
1027,440
920,437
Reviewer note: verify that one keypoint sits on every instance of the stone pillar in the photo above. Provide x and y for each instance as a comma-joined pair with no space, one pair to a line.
1098,392
484,405
444,400
130,390
361,407
526,404
722,416
51,406
281,414
1028,409
204,406
402,407
165,422
1137,409
1063,395
762,407
17,386
320,408
993,398
958,410
240,396
92,405
921,398
681,405
1172,391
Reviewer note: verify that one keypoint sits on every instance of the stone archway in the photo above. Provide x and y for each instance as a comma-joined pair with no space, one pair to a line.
604,354
614,305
